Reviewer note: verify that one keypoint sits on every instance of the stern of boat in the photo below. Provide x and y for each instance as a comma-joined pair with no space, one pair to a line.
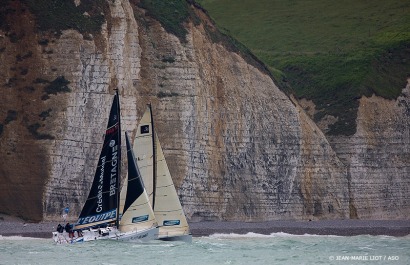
183,238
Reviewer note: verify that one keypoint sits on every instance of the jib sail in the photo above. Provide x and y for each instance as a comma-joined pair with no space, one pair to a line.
134,203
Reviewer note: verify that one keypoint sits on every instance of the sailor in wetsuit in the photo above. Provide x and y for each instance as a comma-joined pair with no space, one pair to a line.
60,228
69,230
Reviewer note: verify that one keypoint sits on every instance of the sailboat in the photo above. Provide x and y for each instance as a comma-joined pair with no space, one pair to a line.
138,221
100,215
157,179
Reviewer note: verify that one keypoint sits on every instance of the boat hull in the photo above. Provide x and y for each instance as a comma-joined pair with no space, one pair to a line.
183,238
107,234
64,238
139,236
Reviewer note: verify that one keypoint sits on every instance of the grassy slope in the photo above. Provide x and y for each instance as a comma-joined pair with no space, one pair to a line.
61,15
171,14
329,51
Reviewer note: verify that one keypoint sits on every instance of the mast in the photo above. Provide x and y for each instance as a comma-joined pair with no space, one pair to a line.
154,162
117,221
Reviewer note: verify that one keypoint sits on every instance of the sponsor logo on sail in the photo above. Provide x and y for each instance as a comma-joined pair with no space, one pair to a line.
144,129
100,187
141,218
114,166
171,222
97,218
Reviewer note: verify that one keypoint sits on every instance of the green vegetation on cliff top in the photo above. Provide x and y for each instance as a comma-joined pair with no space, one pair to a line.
59,15
171,14
329,51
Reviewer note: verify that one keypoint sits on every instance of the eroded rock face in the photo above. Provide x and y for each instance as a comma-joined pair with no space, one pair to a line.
24,163
378,156
237,147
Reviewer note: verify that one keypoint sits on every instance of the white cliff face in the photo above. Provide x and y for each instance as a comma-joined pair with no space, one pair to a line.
378,157
95,68
237,147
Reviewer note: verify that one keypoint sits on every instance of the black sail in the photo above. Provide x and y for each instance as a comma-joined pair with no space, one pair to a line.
135,186
102,203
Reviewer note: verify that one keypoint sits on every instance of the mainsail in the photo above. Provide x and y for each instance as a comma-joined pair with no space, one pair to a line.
134,202
158,181
102,202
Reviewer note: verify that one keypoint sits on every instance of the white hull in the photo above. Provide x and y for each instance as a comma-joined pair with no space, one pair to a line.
139,236
183,238
107,233
64,238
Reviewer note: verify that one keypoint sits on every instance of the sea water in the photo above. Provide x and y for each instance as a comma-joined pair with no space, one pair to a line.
249,249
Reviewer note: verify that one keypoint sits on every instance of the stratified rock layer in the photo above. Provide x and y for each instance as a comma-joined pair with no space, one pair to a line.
237,147
378,157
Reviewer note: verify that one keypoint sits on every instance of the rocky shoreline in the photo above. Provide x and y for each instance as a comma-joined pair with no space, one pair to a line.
16,227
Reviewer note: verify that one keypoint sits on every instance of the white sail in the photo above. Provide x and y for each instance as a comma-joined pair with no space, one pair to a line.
168,210
155,174
143,150
139,216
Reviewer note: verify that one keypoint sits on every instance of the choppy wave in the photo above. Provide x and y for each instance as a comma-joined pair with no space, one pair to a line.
19,238
234,235
256,235
250,248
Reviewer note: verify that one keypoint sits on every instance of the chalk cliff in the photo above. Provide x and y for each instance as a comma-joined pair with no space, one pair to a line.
378,158
238,148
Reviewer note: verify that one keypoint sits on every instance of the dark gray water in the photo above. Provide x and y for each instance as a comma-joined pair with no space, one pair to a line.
249,249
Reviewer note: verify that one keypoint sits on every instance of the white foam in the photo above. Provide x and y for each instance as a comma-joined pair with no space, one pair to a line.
234,235
18,238
152,244
281,234
256,235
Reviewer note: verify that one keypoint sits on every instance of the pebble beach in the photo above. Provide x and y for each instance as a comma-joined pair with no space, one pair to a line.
11,226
